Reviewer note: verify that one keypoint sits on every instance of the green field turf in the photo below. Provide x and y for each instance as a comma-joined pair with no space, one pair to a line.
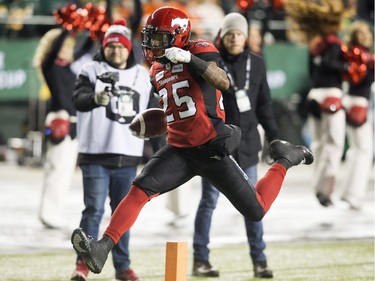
299,261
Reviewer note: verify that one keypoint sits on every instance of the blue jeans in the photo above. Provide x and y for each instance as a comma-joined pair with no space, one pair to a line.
98,182
207,204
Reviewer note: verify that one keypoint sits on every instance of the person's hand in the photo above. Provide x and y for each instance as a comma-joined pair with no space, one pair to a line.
317,60
176,55
102,98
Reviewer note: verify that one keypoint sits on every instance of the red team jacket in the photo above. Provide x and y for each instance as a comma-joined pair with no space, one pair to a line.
193,107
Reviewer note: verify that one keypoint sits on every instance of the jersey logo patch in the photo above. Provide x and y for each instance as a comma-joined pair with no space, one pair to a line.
167,80
177,68
159,75
203,44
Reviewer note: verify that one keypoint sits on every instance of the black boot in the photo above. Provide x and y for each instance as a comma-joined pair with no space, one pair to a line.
261,270
290,155
94,253
324,200
204,269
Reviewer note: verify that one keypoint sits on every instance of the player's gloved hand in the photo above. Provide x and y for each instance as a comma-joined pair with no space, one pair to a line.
176,55
102,98
134,133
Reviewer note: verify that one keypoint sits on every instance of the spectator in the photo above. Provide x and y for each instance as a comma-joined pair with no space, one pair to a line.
247,74
320,22
54,57
359,131
109,92
187,79
206,26
132,11
255,38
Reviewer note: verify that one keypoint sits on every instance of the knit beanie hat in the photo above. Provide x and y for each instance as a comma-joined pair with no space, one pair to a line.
234,21
118,33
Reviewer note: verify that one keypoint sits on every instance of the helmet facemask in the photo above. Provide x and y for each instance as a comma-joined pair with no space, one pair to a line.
155,42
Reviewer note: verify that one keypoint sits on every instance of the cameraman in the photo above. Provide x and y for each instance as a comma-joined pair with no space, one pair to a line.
109,92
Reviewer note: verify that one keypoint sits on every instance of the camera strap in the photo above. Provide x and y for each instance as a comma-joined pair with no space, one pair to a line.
242,99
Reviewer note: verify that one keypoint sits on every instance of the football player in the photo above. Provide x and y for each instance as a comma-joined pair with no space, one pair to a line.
186,77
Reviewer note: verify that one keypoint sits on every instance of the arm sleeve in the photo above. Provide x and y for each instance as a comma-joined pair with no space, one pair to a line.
84,94
215,57
56,46
332,58
83,47
159,142
136,17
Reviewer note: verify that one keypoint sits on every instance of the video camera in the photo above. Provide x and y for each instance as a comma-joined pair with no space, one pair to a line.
109,78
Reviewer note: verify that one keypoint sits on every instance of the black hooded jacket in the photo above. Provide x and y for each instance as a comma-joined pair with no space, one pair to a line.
261,111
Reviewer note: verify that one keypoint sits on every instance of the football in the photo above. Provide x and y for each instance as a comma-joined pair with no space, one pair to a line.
150,123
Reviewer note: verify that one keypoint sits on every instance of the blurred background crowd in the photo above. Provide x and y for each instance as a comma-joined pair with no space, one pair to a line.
24,101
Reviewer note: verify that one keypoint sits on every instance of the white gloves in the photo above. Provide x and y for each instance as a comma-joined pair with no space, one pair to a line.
176,55
102,98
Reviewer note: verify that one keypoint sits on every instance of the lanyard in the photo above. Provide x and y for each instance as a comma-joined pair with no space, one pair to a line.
247,80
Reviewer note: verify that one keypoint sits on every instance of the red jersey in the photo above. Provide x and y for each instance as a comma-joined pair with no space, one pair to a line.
193,107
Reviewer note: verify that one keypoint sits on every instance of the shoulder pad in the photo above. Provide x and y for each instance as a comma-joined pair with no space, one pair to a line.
202,46
154,68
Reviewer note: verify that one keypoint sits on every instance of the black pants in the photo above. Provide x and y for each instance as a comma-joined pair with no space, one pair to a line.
171,167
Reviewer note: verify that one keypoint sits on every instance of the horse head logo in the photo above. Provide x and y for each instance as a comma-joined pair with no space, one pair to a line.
183,23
